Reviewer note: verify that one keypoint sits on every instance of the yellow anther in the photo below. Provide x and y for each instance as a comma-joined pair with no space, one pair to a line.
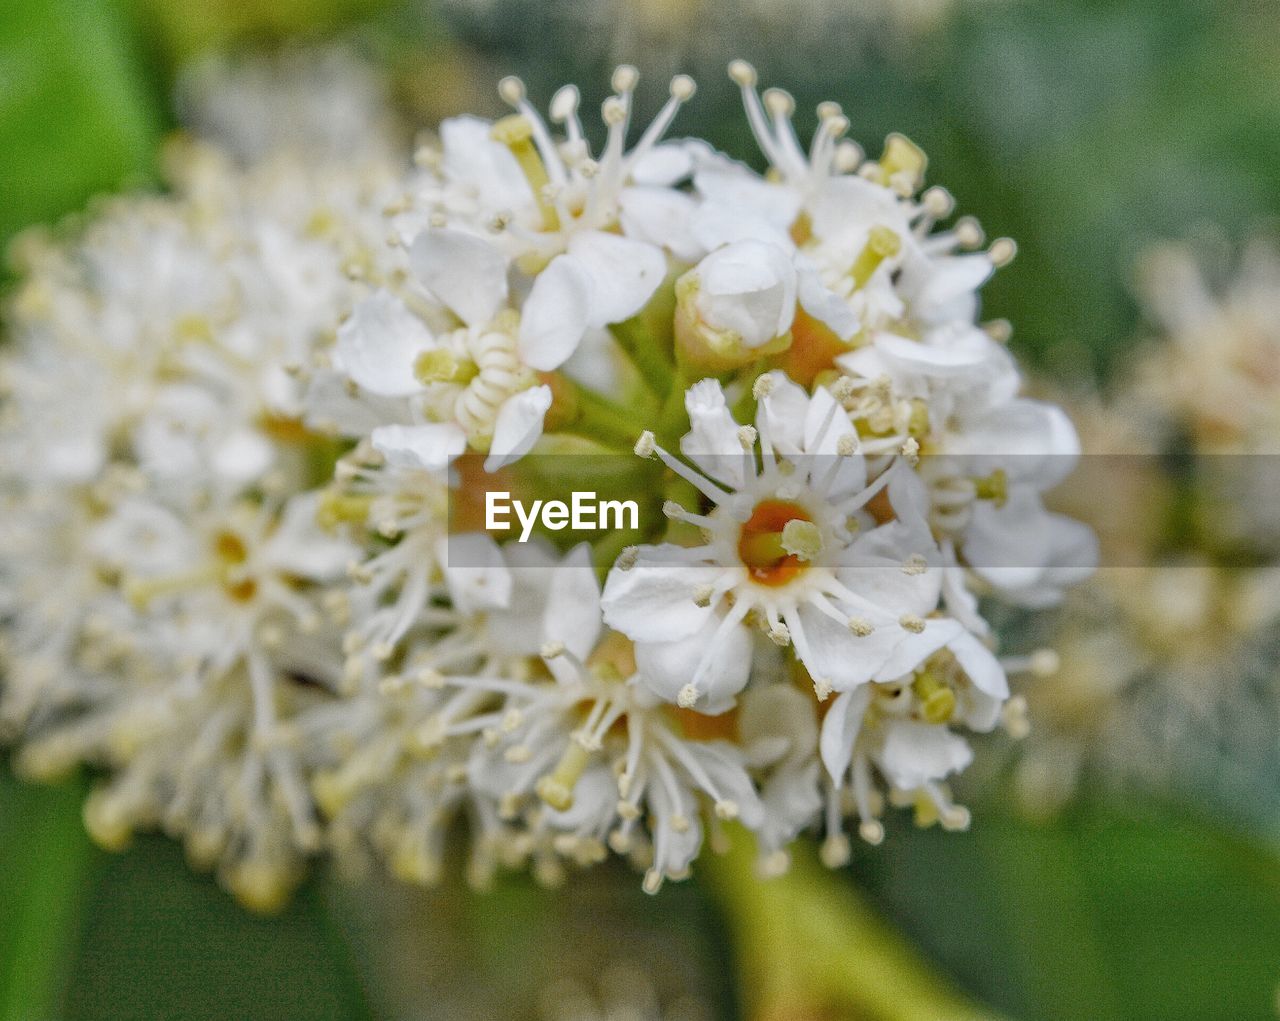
742,73
556,788
683,87
993,487
802,539
625,77
331,792
926,812
937,202
106,823
260,886
835,851
912,622
321,223
193,328
337,507
511,89
903,163
848,155
999,330
968,232
779,102
1002,251
443,366
937,700
230,549
882,243
918,419
516,133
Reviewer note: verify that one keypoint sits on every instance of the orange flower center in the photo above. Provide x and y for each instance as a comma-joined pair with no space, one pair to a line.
760,542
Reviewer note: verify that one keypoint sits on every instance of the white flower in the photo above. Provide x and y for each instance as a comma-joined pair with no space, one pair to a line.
590,232
597,776
157,623
323,103
780,738
903,728
782,545
240,564
464,386
866,261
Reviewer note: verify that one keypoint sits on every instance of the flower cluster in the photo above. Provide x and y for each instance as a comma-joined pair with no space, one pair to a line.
1166,681
163,573
276,650
1214,374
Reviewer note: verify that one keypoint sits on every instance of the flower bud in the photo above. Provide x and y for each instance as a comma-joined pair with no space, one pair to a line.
737,304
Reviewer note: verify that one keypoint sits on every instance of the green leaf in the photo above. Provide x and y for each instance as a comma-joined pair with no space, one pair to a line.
162,942
48,862
1096,916
76,116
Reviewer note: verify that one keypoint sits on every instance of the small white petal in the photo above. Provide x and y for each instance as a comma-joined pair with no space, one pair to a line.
431,447
783,412
518,427
664,165
474,572
981,665
465,272
824,304
728,186
944,353
748,288
300,546
914,649
471,154
942,290
840,730
661,217
378,345
624,273
554,317
654,602
916,753
244,455
666,667
572,613
841,658
713,441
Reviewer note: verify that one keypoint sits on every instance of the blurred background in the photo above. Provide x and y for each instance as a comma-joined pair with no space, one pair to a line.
1125,864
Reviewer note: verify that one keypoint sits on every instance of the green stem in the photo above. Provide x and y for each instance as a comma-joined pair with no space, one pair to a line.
48,863
600,419
646,340
809,946
673,420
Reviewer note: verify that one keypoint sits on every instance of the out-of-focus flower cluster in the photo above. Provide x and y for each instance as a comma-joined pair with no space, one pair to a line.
163,574
237,416
1168,658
